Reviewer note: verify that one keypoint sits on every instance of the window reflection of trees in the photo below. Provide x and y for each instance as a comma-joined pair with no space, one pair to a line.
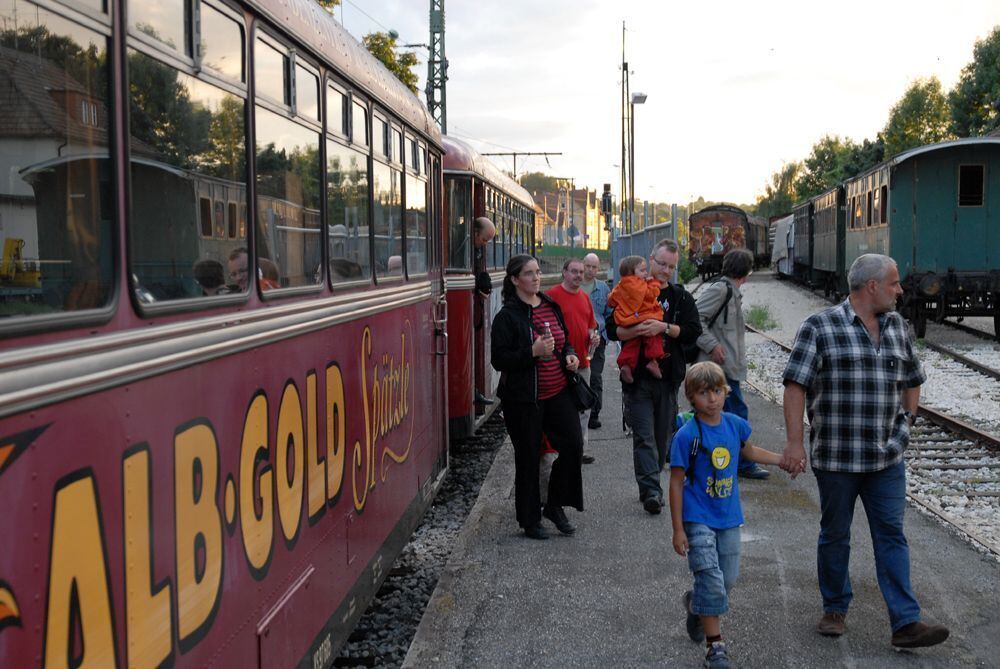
188,152
56,197
347,208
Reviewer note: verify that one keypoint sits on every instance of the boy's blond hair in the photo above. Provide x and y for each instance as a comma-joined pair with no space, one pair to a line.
701,376
628,264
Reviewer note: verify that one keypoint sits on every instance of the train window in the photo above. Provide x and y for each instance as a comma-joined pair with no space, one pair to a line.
397,145
359,124
221,43
347,213
971,185
868,212
884,204
179,251
306,93
231,220
57,193
416,225
411,157
271,71
336,118
287,224
422,159
166,21
459,212
387,218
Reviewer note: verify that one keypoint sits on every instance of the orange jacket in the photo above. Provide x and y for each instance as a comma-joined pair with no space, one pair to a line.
635,300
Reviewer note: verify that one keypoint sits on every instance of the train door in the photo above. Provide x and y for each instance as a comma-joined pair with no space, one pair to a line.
480,303
439,299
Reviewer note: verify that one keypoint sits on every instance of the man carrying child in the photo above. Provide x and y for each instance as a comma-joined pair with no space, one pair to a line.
634,300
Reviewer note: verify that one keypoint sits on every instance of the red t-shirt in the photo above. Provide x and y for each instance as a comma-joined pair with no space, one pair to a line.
551,379
578,313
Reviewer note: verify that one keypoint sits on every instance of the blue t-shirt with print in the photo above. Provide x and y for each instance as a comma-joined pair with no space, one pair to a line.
713,498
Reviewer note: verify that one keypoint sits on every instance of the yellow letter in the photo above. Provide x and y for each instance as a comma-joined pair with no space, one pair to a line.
258,530
289,482
199,531
78,581
148,625
315,465
336,432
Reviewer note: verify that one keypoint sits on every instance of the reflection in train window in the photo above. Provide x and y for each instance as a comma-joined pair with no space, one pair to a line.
380,137
166,21
289,247
56,194
347,213
231,220
416,225
271,72
181,181
335,116
359,124
221,43
306,93
387,219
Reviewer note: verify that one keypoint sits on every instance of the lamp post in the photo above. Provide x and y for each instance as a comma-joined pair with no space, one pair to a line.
636,99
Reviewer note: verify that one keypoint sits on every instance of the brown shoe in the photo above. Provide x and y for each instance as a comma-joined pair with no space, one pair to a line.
653,367
626,374
832,624
919,635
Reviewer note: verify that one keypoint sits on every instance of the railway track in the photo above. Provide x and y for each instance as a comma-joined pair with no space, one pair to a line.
963,359
953,471
968,329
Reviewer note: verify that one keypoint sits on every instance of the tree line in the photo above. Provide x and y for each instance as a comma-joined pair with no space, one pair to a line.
923,115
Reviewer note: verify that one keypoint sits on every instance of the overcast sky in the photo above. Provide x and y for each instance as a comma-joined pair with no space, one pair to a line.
735,88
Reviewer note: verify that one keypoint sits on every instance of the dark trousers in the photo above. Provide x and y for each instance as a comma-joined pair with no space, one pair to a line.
651,409
736,405
596,382
559,419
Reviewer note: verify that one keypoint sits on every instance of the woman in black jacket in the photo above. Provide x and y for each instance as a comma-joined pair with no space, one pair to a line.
530,350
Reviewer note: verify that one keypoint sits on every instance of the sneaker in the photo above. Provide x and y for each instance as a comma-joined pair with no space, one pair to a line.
626,374
536,532
717,656
695,629
832,624
754,472
594,423
919,635
588,459
652,505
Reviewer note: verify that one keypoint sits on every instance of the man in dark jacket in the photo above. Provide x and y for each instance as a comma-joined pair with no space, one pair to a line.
650,403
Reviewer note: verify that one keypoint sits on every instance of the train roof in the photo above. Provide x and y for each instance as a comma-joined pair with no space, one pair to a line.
307,21
927,148
461,157
720,207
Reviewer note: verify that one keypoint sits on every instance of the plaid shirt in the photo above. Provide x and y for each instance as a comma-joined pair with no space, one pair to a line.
853,391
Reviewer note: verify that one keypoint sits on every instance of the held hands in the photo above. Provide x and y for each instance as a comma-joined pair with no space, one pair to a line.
543,346
572,363
718,355
680,542
793,460
651,327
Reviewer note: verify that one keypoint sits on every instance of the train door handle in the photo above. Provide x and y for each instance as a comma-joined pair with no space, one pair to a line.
441,314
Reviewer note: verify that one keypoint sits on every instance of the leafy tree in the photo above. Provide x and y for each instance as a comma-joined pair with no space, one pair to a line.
862,157
226,155
538,181
383,47
920,117
824,168
780,194
975,100
328,5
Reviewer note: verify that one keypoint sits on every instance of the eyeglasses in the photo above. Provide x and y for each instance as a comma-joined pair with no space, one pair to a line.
530,273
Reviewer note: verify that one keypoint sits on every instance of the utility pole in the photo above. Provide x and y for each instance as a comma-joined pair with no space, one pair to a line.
437,68
521,153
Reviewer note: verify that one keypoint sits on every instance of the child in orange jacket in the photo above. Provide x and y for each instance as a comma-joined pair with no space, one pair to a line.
636,299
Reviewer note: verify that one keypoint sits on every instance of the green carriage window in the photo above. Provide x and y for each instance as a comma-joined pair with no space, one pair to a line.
971,185
183,183
57,192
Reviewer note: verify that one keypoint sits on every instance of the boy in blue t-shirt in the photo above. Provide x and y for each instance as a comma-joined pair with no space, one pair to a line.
705,502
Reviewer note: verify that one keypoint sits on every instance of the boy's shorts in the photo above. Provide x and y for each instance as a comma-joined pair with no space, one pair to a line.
714,559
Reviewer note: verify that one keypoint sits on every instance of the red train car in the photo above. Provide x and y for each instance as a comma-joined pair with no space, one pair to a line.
473,187
222,369
714,231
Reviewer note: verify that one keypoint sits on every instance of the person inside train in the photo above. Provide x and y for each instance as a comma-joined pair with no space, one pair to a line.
705,509
210,276
394,266
483,232
634,300
238,266
531,350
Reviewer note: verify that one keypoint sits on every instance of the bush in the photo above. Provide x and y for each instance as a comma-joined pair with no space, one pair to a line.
759,316
686,270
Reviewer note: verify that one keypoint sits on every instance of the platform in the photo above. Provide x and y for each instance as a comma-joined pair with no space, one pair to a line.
610,595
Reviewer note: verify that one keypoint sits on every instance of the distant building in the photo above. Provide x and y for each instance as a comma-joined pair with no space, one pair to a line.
570,218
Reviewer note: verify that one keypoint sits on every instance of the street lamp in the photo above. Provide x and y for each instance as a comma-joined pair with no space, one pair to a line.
635,99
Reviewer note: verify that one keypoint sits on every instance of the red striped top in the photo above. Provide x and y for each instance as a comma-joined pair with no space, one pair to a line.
551,378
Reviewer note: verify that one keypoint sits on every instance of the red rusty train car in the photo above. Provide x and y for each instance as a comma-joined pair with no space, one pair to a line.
473,187
222,349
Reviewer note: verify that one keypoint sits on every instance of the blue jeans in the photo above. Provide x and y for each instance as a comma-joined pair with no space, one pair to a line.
650,409
883,495
596,380
735,405
714,559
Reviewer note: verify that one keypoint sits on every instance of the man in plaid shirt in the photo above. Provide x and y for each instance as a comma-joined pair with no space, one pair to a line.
855,369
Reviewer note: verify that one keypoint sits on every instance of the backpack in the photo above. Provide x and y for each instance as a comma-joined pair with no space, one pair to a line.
691,351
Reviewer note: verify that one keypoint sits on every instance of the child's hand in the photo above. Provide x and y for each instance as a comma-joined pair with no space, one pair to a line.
681,542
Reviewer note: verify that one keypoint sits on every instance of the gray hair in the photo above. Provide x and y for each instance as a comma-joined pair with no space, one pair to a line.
868,267
737,264
668,244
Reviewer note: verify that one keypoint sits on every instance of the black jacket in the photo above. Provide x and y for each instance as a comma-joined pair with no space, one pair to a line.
511,339
681,311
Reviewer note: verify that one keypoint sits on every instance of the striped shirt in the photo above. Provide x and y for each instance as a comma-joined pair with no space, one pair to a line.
551,378
854,390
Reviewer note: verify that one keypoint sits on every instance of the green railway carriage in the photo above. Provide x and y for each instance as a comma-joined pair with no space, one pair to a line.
936,210
828,222
802,249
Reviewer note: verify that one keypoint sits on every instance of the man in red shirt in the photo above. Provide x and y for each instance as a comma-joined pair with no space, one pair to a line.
578,312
